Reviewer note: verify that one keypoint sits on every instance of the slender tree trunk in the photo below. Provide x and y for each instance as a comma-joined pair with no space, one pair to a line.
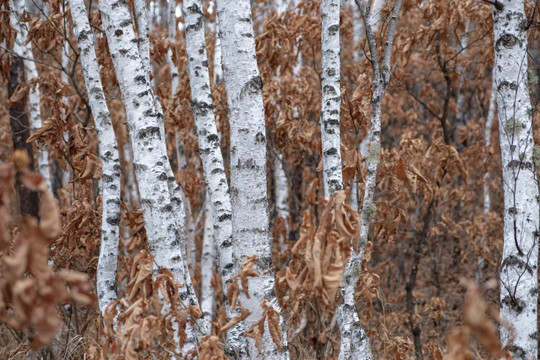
25,51
461,113
154,174
485,185
208,302
64,77
143,41
108,151
218,70
248,162
331,98
354,342
519,266
171,11
207,136
282,195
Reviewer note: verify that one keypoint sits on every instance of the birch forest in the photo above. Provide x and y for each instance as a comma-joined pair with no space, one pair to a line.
269,179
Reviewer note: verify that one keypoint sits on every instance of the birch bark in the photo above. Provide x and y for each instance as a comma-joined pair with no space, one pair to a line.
331,98
375,14
518,274
218,70
207,262
177,195
152,167
25,52
207,135
248,161
282,194
354,342
485,185
171,11
108,150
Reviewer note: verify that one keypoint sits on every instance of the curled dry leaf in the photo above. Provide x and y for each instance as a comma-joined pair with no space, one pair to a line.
256,331
111,313
244,313
233,291
273,324
141,276
332,278
19,96
248,271
409,174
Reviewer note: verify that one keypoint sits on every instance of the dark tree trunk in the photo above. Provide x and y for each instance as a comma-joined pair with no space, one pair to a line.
20,132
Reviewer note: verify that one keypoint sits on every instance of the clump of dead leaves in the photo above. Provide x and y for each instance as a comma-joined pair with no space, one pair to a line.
30,290
308,286
151,319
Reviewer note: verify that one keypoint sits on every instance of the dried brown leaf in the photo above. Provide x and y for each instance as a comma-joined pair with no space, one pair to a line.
248,271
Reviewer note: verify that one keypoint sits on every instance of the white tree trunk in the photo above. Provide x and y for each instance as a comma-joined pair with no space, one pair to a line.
171,11
375,14
207,135
189,250
154,174
248,161
25,52
281,189
518,276
331,98
485,185
178,196
354,343
131,189
108,150
207,262
461,95
487,138
218,69
143,34
64,77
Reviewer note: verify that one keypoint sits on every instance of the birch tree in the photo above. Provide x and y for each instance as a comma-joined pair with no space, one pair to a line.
158,198
485,185
34,109
143,41
208,302
248,162
331,98
171,12
354,342
108,150
519,266
209,148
